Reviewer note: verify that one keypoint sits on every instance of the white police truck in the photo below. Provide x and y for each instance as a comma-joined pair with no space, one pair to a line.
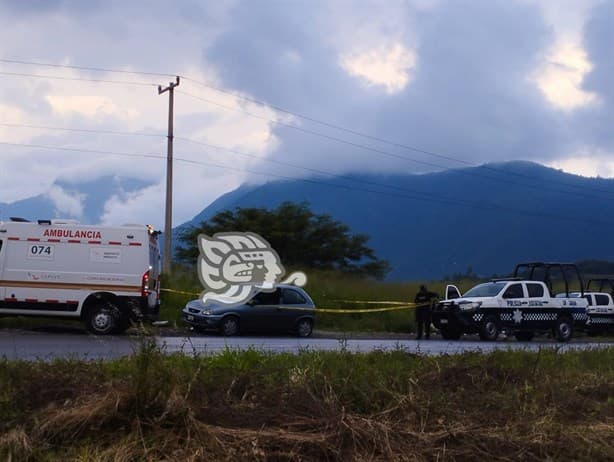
105,276
518,305
600,312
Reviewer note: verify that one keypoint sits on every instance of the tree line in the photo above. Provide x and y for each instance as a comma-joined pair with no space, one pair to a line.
302,238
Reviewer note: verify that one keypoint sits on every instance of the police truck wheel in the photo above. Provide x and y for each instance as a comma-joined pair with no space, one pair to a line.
100,320
230,326
563,329
489,330
524,336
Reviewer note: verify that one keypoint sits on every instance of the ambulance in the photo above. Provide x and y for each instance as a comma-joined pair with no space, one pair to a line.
105,276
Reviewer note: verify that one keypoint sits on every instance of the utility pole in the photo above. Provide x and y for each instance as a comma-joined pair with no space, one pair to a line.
166,264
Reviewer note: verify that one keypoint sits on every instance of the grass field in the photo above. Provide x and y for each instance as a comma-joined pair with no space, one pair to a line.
311,406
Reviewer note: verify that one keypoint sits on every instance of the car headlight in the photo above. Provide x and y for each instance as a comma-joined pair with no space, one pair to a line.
206,312
467,306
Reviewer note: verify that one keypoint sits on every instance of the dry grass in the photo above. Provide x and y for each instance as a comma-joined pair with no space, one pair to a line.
312,406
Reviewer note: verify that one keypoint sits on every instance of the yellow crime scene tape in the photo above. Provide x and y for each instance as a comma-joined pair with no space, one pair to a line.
380,302
172,291
401,305
356,310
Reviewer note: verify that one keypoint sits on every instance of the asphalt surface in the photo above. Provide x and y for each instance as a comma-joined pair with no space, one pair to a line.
41,344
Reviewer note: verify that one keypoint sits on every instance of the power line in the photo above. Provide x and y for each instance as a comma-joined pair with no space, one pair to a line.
240,153
81,150
81,130
368,136
387,153
304,117
333,175
81,79
84,68
298,115
489,207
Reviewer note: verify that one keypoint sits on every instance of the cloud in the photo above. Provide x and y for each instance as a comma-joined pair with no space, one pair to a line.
560,78
89,106
469,95
590,162
388,67
66,203
481,81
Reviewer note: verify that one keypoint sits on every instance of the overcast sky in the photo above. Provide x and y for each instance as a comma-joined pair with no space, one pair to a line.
476,81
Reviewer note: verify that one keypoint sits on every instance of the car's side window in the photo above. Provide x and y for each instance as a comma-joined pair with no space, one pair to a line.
514,291
535,290
266,298
601,300
292,297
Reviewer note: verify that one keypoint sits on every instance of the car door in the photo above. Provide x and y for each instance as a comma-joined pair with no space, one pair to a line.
294,306
452,292
603,305
539,306
262,311
513,298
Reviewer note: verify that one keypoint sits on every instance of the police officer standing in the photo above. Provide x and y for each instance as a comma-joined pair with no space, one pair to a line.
423,313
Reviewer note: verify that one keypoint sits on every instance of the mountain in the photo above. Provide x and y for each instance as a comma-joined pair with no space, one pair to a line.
483,219
83,201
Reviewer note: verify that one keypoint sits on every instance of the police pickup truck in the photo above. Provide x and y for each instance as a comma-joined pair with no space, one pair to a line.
600,312
520,306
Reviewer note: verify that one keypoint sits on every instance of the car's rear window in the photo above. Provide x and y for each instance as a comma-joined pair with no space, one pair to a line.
535,290
602,300
292,297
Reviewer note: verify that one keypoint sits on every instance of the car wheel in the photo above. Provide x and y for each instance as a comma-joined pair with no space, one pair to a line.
489,330
563,329
450,334
230,326
100,319
304,328
524,336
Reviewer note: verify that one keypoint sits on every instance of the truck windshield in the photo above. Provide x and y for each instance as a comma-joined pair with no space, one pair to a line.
488,289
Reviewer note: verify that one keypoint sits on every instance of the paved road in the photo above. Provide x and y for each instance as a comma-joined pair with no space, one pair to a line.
30,345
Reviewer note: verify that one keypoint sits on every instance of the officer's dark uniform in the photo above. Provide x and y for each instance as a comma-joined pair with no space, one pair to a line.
423,313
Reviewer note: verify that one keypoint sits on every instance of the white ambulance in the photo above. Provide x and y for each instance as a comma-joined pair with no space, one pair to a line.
105,276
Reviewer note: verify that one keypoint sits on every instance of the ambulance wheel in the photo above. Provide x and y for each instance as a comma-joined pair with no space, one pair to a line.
563,329
229,326
489,330
100,319
450,334
524,336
